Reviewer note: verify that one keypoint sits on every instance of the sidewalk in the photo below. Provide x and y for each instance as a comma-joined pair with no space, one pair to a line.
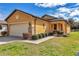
38,41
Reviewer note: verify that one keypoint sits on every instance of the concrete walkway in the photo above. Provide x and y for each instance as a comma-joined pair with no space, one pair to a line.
5,40
38,41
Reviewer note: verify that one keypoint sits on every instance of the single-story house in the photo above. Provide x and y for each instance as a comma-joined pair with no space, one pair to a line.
3,27
20,22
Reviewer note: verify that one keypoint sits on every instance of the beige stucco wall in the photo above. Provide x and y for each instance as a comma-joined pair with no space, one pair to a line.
68,29
41,26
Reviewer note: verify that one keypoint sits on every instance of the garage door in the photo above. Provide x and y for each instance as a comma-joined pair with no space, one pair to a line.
18,29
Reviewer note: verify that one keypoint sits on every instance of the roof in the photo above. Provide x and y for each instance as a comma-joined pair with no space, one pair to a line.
53,19
45,17
60,20
48,17
3,22
22,12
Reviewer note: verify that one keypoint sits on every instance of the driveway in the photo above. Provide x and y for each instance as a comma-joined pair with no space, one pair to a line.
8,39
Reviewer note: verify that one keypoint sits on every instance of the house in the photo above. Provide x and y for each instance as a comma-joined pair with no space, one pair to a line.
3,27
20,22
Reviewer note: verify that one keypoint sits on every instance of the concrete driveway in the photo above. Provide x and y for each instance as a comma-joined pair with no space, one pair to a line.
8,39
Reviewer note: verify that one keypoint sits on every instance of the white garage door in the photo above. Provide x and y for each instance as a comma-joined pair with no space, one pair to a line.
18,29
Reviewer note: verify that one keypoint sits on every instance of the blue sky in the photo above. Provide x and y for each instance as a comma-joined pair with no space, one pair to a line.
65,10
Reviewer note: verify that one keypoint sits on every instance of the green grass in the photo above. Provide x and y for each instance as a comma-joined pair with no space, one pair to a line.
63,46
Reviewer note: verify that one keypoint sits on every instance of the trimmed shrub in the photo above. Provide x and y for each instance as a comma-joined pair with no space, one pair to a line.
55,32
46,34
34,37
59,32
50,33
39,36
42,34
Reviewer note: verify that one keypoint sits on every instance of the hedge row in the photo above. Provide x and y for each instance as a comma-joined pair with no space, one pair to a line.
42,35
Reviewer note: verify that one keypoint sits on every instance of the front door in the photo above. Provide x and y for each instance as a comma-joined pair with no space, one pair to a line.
55,27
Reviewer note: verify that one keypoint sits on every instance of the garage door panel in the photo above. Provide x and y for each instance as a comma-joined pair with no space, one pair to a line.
18,29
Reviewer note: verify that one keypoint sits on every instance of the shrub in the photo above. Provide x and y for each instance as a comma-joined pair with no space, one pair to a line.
59,32
43,35
46,34
54,32
50,33
34,37
39,36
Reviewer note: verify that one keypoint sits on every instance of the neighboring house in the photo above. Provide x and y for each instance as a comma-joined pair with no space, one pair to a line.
20,22
3,27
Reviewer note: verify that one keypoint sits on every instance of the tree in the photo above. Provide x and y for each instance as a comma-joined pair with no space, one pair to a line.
72,22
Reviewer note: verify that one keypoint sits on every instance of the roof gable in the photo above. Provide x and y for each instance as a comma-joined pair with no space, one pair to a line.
22,12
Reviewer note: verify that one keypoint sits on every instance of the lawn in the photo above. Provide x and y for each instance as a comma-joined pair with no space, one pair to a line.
63,46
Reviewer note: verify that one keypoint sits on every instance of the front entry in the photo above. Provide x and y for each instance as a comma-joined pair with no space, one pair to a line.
57,27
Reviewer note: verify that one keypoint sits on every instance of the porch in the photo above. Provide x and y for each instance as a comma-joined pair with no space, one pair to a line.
57,26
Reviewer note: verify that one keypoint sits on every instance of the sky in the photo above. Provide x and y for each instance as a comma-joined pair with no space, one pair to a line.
64,10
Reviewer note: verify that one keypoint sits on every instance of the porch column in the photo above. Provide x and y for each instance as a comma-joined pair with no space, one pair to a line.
57,27
63,25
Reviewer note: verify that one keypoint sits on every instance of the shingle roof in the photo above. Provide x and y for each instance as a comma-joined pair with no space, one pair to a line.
22,12
49,18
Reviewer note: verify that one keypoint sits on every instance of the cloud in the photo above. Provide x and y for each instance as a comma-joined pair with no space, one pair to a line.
2,16
75,12
64,9
48,4
60,15
67,13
